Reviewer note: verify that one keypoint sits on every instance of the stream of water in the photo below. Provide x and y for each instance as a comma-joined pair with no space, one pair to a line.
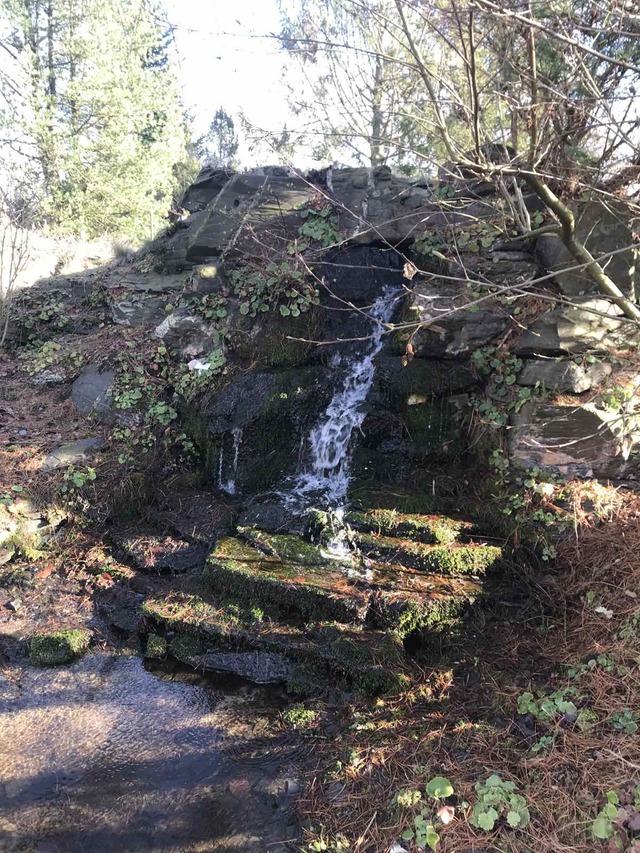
327,475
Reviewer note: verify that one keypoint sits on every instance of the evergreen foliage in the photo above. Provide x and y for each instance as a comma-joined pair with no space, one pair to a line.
102,117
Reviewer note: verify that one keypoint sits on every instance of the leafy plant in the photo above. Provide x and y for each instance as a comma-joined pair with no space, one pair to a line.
625,721
498,799
423,830
547,708
320,225
602,827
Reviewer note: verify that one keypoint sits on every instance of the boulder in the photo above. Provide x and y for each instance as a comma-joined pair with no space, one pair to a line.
69,454
186,333
602,227
91,393
588,324
252,213
576,440
562,375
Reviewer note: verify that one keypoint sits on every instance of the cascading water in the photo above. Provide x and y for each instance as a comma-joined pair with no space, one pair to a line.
327,477
229,485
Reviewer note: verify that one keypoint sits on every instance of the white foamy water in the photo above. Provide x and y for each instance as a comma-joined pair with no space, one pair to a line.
328,473
229,485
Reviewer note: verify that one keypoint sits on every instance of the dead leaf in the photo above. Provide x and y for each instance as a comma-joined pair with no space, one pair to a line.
45,571
446,814
409,270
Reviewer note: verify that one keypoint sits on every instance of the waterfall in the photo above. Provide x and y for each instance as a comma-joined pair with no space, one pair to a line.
328,474
229,485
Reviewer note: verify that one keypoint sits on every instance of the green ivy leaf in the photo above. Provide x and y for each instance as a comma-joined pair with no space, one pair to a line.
439,788
601,828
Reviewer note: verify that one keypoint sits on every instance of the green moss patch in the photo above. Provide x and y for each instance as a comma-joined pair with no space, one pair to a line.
430,529
316,592
285,547
156,646
452,559
373,660
58,647
232,548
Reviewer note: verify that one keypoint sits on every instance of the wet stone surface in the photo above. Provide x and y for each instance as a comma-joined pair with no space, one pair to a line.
108,756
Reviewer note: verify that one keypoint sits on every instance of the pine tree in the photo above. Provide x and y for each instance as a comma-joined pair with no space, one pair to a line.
104,111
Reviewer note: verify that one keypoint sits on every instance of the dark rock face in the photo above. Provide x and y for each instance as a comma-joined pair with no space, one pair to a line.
359,274
252,211
90,393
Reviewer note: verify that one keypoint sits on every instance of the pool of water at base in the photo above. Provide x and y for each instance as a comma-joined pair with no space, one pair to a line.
106,755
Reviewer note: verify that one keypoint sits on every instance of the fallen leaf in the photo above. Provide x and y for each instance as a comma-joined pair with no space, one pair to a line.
446,814
409,270
45,571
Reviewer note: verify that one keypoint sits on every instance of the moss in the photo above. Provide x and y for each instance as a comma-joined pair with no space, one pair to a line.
449,560
348,652
378,680
299,717
156,646
430,424
430,529
232,548
433,615
287,547
195,426
185,647
269,584
58,647
277,342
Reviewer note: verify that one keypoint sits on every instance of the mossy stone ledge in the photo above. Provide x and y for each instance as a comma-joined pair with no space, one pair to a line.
58,647
373,660
451,559
316,592
430,529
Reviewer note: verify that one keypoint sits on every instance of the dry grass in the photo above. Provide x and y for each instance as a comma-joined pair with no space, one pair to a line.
466,726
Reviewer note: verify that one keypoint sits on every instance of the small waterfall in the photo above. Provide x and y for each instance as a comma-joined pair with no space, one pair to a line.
330,445
229,485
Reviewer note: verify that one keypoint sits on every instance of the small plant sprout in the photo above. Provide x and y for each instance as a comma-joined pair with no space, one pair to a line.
423,831
498,799
602,827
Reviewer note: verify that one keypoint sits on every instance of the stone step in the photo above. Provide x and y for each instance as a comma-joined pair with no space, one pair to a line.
452,559
286,547
430,529
207,633
318,592
389,596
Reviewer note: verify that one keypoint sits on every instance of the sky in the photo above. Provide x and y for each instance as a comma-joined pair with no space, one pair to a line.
223,62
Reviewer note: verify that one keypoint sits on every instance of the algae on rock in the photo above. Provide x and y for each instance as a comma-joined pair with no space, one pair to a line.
58,647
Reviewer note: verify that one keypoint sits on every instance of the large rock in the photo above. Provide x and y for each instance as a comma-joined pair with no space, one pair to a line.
70,454
251,214
576,440
450,319
562,375
186,333
589,324
91,393
603,227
